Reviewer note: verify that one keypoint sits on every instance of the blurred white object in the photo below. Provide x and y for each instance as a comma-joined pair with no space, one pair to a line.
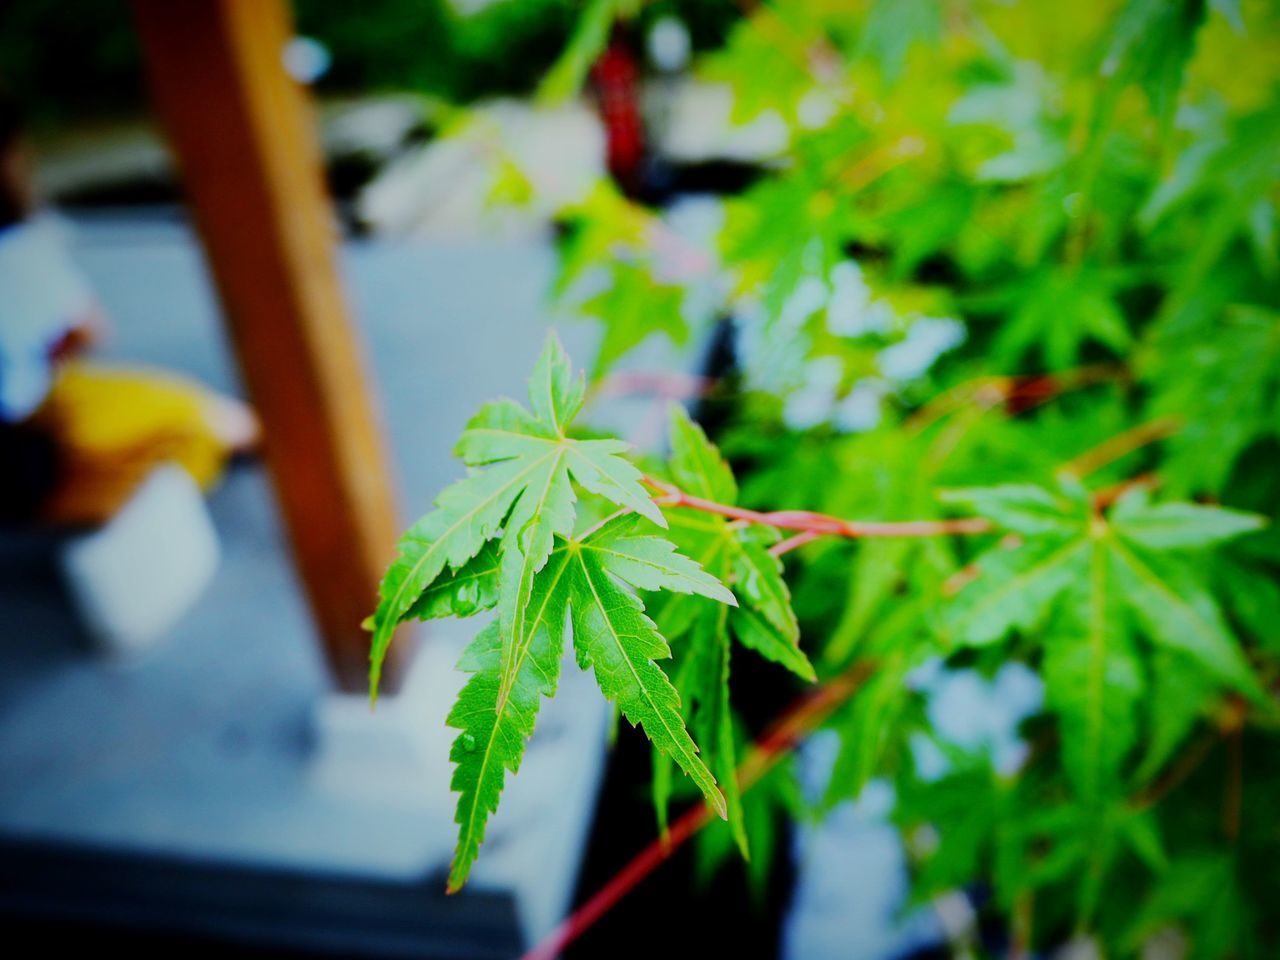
849,313
133,578
812,402
444,188
700,127
669,44
927,339
816,109
396,761
45,295
306,59
863,408
373,127
849,901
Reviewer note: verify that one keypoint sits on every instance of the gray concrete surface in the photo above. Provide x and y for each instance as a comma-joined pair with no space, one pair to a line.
224,743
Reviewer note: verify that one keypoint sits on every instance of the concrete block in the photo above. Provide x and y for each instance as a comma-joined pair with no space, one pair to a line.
134,577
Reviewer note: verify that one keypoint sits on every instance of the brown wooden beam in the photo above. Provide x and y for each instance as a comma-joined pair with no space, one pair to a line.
243,135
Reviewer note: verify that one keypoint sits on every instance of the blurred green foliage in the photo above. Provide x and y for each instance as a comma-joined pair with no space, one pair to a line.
1020,261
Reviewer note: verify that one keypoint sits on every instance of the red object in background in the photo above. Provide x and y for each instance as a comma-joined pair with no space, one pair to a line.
616,78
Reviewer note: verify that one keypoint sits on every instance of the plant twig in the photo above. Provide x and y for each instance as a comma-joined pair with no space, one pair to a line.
818,524
799,540
668,386
1186,765
1120,445
1107,496
1021,393
1022,925
791,727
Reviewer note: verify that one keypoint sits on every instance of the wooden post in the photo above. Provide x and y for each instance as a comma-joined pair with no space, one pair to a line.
242,132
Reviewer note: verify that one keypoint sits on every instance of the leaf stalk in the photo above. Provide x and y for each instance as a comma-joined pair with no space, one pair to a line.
817,524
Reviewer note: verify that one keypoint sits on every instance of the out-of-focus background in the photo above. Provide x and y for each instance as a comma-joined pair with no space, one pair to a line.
260,261
187,758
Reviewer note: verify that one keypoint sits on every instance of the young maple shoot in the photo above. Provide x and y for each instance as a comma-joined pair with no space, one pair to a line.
1006,394
507,537
1092,582
1090,585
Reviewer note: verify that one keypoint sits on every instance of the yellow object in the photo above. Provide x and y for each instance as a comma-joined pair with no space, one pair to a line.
113,425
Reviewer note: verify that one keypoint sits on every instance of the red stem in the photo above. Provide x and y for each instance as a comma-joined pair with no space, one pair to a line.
1121,445
673,386
817,524
622,883
799,540
798,720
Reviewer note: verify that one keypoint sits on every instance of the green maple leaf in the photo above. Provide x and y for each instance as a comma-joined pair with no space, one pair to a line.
1058,310
1174,526
1151,43
632,308
1224,188
1180,695
765,621
1221,378
967,805
584,582
712,716
1093,677
1014,589
1204,890
522,464
1021,507
1040,844
762,621
589,38
503,538
702,680
460,593
612,635
1087,586
753,41
492,739
869,722
893,27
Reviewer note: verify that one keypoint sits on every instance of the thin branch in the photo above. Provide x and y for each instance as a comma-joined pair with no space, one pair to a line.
1030,391
1022,924
791,543
810,711
872,166
667,386
794,724
1107,496
1020,393
1231,721
819,524
1122,444
1186,764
